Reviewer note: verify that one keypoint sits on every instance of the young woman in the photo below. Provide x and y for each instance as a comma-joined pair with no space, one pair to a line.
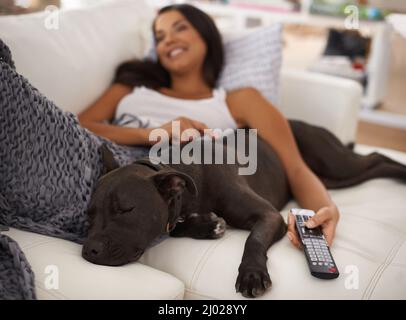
50,162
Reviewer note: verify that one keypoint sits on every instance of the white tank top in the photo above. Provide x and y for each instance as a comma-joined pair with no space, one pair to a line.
147,108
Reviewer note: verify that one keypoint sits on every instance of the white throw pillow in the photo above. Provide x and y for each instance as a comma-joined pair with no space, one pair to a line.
254,60
75,63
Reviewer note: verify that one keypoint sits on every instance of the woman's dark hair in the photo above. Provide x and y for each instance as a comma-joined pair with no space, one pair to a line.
152,74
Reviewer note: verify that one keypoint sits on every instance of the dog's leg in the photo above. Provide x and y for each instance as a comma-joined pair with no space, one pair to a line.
247,210
360,168
200,226
380,170
335,164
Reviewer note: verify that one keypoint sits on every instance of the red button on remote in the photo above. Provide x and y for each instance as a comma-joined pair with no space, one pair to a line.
332,269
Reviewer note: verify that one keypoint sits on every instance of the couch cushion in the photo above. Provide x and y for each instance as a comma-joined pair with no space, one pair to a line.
370,244
75,63
79,279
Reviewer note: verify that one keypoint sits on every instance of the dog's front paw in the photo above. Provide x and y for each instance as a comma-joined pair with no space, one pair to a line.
201,226
208,226
252,282
216,226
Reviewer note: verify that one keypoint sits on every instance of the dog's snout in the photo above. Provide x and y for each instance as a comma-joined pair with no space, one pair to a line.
93,249
96,248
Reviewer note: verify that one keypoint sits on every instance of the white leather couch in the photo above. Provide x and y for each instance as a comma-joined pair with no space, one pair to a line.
75,63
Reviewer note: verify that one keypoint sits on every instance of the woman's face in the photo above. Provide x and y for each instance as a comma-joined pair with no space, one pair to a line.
179,46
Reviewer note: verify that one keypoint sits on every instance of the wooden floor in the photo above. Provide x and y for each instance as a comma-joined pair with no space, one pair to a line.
375,135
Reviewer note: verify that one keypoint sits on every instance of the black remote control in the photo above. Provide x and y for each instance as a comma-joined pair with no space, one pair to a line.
318,255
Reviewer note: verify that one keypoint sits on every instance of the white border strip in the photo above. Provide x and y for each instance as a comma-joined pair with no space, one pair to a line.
389,119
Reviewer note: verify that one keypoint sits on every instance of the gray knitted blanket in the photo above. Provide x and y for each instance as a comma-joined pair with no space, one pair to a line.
49,165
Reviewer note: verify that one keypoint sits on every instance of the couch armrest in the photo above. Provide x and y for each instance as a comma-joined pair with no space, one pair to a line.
323,100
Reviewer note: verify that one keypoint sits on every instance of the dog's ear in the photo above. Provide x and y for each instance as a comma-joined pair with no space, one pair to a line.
172,183
109,163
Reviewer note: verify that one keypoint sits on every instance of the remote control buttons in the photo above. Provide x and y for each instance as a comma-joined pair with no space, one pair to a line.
316,248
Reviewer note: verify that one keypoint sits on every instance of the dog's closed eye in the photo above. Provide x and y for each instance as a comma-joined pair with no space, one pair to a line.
121,209
124,211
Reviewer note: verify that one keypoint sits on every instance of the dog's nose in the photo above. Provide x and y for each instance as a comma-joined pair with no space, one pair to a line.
93,249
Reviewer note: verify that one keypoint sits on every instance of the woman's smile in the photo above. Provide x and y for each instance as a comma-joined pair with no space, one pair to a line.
176,52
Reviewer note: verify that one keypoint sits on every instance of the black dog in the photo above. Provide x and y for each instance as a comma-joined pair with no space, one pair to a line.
133,205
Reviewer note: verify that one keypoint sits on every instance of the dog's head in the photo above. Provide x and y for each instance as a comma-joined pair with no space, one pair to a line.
130,207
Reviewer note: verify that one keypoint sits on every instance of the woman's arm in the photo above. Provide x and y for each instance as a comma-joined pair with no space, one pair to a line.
119,135
104,109
250,108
